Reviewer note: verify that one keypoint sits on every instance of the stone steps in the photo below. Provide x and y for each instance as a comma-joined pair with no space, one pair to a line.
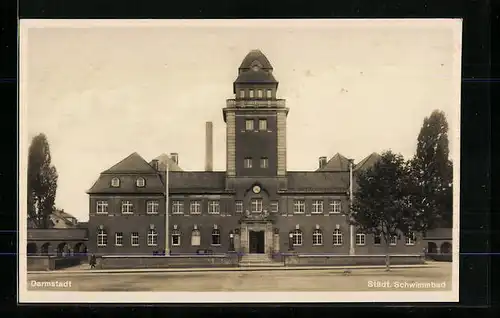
258,260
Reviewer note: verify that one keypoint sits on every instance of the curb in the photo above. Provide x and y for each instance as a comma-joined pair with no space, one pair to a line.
227,269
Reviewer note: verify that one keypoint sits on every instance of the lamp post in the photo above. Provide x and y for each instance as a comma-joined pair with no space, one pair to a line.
231,242
290,242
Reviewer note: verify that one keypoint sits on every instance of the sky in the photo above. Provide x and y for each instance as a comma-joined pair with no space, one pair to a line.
102,90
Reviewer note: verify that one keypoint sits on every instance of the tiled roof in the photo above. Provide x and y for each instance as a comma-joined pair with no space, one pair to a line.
255,55
368,162
318,181
197,181
259,76
337,163
163,159
134,163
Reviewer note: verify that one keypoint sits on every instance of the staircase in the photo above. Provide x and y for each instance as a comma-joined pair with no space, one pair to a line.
258,260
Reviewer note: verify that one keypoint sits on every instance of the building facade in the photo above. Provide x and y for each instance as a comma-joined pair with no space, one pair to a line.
255,206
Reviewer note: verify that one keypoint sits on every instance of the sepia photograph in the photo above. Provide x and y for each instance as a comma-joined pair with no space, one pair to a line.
178,161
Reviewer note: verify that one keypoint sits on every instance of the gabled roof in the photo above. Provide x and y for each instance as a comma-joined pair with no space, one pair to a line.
255,55
337,163
318,181
134,163
163,159
368,162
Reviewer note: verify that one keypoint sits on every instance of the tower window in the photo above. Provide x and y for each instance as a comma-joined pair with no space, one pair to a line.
248,163
269,93
249,124
251,93
259,93
262,124
264,162
242,93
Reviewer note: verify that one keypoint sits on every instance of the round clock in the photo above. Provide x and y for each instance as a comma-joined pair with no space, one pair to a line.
256,189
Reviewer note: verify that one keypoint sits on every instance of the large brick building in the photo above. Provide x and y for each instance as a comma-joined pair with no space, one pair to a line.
255,206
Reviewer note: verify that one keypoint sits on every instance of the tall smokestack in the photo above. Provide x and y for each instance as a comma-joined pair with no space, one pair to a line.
209,151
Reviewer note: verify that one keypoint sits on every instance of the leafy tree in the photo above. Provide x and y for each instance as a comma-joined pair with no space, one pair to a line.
382,203
42,182
432,174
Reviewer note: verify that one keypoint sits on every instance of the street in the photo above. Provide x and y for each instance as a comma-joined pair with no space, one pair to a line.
411,279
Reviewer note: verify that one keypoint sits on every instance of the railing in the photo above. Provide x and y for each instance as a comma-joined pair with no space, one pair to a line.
276,103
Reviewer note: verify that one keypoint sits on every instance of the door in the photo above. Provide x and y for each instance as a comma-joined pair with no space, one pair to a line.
256,242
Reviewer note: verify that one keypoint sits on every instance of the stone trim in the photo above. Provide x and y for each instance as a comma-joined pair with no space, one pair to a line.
281,143
231,143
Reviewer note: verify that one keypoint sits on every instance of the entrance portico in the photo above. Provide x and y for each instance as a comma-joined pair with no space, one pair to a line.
257,237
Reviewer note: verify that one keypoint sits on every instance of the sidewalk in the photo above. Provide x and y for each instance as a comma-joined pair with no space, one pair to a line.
86,271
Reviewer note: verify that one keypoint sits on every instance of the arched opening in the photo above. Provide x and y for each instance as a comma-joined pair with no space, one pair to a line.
45,250
62,249
445,248
80,250
431,248
31,249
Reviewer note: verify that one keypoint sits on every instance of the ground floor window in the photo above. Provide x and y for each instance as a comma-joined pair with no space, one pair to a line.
176,238
337,237
134,239
377,239
195,238
360,239
410,238
317,237
152,237
394,240
216,237
119,239
297,238
102,238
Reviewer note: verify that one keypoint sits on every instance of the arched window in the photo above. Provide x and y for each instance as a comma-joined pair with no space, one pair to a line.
140,182
152,237
297,237
317,237
195,238
102,238
176,238
337,237
115,182
215,237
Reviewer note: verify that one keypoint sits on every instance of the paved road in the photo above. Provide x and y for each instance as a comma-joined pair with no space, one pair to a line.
296,280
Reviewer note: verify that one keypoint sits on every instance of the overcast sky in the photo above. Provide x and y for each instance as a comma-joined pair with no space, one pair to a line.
102,91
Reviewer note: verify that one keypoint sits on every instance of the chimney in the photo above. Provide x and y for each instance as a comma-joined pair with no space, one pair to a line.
322,162
154,164
209,147
175,157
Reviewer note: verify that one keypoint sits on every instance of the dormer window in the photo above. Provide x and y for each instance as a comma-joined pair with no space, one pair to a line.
140,182
115,182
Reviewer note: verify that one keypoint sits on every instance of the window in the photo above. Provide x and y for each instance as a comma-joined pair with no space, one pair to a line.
299,206
195,207
335,206
152,237
115,182
152,207
248,163
250,93
256,205
213,207
119,239
195,238
177,207
140,182
377,239
242,93
297,238
259,93
317,237
215,237
127,207
102,207
360,239
264,163
239,207
394,240
317,206
263,124
337,237
134,239
176,238
269,93
274,207
102,238
410,239
249,124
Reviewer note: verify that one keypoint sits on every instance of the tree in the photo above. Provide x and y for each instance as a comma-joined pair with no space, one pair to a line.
432,174
42,182
382,203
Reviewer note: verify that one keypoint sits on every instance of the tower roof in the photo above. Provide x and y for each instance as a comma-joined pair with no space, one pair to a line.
258,57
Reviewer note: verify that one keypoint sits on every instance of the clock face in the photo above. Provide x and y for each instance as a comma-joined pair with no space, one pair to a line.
256,189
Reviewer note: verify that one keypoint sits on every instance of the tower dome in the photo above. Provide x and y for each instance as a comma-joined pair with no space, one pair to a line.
255,58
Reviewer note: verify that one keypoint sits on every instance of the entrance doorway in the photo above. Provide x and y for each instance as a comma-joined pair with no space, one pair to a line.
256,242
